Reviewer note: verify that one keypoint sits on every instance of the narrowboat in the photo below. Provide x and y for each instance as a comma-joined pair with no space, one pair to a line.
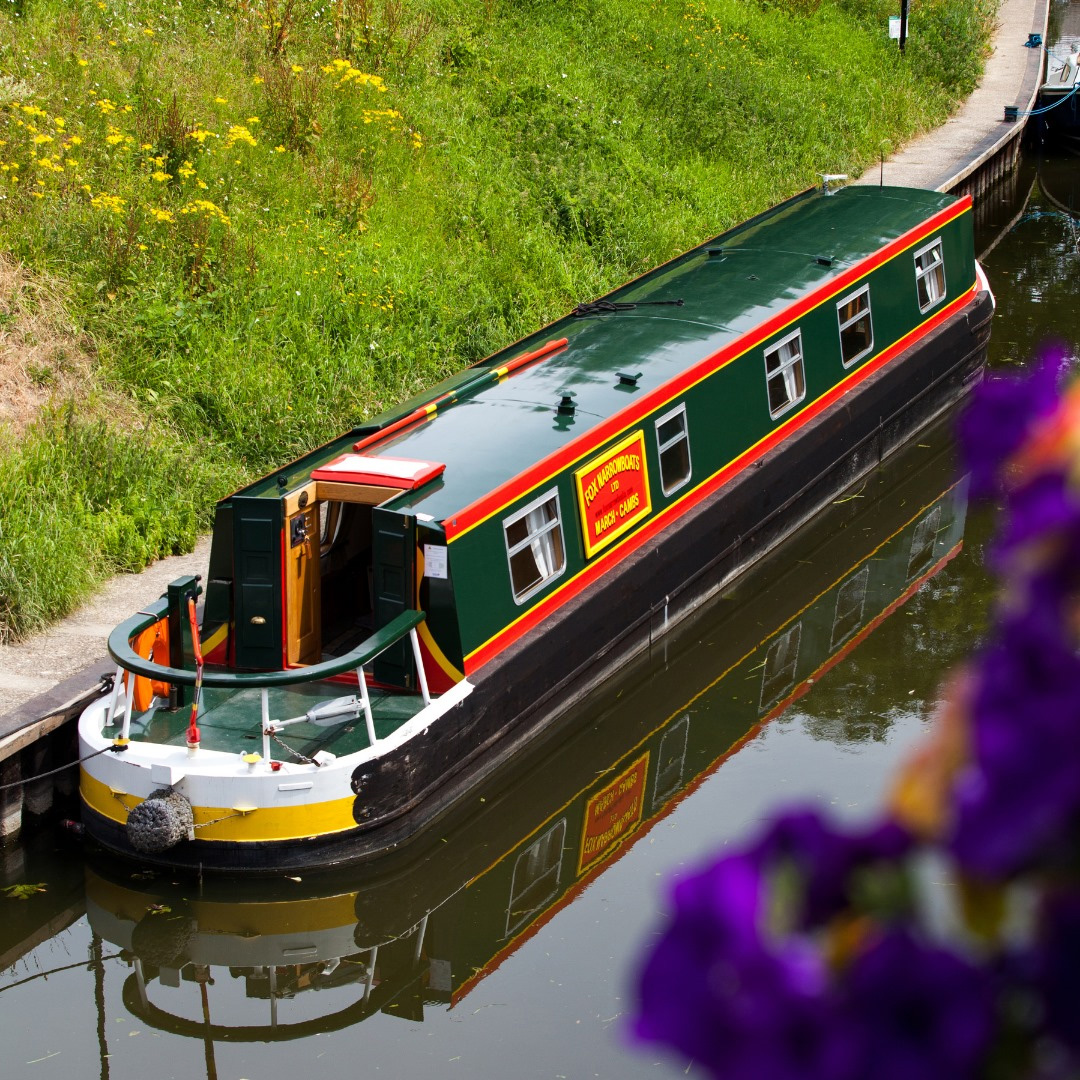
389,617
1055,114
426,926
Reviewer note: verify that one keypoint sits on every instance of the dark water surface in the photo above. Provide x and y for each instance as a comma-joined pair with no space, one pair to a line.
503,943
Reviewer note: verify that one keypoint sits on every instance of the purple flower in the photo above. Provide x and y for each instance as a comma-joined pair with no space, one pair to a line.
1001,414
717,991
1057,966
917,1011
826,857
1019,798
1040,508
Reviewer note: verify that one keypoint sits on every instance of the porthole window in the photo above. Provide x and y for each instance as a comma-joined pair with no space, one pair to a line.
784,373
930,275
673,446
856,326
534,546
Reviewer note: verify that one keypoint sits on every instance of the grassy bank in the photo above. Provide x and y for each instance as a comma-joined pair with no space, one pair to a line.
270,219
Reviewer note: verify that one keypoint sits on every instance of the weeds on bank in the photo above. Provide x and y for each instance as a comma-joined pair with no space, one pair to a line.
278,218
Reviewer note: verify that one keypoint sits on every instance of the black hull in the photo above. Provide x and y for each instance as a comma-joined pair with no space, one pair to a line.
522,692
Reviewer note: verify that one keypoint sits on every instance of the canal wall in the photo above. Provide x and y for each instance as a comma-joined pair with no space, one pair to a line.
46,682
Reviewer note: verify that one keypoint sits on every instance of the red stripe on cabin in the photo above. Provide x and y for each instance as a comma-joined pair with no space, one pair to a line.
480,510
592,571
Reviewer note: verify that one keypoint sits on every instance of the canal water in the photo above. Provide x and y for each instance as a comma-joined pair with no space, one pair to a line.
504,941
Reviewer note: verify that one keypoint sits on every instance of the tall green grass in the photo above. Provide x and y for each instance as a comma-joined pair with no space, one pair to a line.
276,218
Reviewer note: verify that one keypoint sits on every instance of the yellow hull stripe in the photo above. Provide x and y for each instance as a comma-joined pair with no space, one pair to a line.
309,915
309,820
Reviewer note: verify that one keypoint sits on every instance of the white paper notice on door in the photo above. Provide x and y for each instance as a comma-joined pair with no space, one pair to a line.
434,561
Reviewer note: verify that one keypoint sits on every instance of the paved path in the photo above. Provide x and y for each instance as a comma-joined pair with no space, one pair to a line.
941,158
48,670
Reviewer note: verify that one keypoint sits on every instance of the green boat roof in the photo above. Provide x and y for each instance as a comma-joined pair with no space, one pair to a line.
494,432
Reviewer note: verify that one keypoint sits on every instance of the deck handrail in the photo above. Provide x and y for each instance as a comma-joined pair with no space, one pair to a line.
121,651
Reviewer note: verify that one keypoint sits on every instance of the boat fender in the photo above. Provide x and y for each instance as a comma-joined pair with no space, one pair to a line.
160,822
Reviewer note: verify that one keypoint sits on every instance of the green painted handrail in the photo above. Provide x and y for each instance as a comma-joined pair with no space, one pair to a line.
121,651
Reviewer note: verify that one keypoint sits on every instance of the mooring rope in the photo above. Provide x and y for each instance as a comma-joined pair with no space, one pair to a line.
53,772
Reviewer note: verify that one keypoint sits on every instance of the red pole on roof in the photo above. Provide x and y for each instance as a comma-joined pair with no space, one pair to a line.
193,738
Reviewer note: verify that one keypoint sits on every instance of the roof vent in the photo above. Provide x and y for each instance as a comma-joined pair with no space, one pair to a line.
566,406
627,381
712,252
823,260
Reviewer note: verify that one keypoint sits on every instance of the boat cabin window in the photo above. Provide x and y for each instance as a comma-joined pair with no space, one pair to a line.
781,662
784,373
923,540
930,275
673,445
534,545
856,326
850,601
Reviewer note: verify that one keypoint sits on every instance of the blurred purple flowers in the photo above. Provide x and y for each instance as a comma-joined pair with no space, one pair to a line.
740,982
806,954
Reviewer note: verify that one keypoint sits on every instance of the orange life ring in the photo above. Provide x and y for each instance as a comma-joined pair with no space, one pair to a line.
153,645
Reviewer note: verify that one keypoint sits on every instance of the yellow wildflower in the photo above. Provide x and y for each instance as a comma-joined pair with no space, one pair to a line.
221,101
206,208
59,122
258,80
296,69
239,133
165,217
83,63
74,140
200,135
105,105
160,176
42,138
113,203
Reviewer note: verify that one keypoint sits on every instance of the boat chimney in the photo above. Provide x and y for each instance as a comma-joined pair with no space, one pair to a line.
566,406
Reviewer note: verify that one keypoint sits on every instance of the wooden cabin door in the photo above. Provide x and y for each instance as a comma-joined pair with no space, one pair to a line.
302,594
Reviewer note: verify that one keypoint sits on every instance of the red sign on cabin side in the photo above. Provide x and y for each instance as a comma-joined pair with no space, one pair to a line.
613,813
613,493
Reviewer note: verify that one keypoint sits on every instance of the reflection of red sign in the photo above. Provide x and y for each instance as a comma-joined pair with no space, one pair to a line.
613,492
613,813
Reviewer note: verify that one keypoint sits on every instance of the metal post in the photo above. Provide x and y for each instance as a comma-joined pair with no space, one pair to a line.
903,23
265,695
369,982
421,931
365,698
420,673
118,681
273,996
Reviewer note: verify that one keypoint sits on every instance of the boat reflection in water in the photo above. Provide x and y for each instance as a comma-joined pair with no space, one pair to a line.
235,960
